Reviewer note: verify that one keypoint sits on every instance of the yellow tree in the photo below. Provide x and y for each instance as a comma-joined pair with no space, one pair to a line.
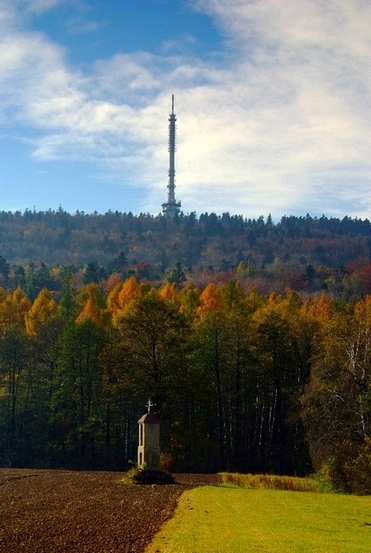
318,308
43,308
20,298
128,293
13,308
131,291
92,303
90,311
113,305
210,300
170,292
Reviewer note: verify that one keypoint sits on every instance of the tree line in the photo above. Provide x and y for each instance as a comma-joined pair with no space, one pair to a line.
304,253
241,381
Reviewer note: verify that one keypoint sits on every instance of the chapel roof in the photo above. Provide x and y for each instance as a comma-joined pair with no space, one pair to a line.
149,418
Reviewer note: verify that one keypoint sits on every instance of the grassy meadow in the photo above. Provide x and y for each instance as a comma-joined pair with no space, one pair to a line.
272,482
233,519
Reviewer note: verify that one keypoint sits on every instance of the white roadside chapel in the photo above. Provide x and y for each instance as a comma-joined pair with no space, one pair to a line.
149,440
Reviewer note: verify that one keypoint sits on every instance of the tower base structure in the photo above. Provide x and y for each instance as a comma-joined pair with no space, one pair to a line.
171,209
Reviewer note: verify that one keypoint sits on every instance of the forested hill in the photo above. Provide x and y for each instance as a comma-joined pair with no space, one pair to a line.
251,338
302,253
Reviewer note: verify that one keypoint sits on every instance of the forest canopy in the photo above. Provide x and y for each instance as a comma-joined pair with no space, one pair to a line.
303,253
241,382
251,338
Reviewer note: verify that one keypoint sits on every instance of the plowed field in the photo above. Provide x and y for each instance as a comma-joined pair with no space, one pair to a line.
63,511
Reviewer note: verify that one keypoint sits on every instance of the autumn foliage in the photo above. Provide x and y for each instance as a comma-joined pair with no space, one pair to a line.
241,381
253,339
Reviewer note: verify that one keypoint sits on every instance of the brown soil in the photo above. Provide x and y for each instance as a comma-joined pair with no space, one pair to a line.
64,511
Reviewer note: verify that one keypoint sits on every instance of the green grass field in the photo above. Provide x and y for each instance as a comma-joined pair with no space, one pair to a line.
233,520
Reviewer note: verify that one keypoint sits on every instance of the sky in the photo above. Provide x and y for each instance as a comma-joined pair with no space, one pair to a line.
272,98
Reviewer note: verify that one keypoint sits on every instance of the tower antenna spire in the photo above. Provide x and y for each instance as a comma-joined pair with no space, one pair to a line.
171,208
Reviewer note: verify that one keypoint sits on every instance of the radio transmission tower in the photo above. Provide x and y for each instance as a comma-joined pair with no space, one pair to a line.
171,208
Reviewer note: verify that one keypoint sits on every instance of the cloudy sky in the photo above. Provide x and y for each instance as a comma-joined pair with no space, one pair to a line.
273,104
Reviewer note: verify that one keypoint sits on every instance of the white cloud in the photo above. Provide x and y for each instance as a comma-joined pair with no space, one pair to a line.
281,124
303,69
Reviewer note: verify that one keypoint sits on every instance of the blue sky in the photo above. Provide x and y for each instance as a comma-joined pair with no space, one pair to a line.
272,99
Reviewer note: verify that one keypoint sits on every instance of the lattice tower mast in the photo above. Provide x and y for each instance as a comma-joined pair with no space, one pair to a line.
171,208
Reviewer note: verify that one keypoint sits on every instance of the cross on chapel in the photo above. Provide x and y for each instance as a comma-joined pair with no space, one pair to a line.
149,405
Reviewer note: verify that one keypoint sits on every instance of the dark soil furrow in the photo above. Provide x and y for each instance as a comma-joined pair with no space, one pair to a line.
45,511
